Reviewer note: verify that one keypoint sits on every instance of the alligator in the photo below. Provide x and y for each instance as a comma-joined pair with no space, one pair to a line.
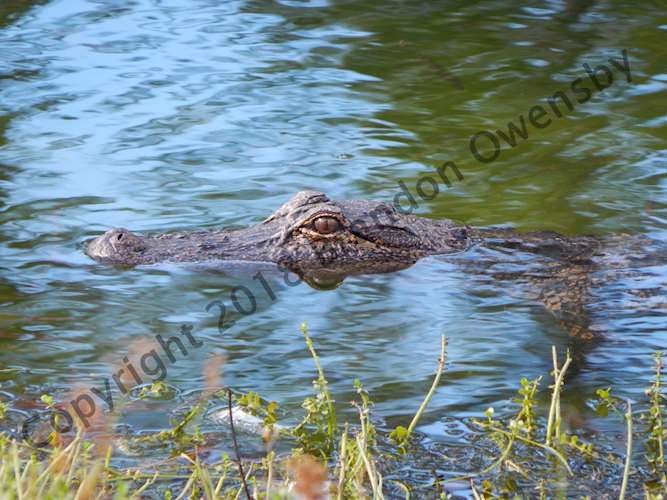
325,240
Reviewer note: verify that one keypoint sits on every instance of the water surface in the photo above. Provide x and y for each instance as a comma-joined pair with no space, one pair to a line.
172,115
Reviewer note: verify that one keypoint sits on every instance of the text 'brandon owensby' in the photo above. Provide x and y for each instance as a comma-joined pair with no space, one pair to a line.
601,77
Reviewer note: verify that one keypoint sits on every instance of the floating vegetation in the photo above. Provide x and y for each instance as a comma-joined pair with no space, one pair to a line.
526,453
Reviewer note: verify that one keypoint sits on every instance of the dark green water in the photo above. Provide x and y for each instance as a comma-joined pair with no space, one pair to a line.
164,115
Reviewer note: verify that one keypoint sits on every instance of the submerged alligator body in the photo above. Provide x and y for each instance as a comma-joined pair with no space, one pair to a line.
326,240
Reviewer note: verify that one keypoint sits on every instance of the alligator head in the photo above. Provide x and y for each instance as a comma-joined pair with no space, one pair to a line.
308,234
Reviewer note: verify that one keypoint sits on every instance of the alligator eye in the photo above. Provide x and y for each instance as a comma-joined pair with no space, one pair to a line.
119,237
326,225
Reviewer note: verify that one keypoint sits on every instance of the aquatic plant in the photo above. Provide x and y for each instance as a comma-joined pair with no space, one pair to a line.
401,435
318,430
342,460
656,433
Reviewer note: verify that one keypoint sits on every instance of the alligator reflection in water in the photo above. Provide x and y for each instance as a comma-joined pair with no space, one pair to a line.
324,241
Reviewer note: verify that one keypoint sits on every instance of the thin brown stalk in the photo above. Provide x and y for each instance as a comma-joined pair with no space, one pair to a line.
236,445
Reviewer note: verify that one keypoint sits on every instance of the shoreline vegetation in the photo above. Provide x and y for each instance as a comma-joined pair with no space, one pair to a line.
526,452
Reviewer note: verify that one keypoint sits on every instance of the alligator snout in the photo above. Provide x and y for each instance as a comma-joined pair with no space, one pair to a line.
115,244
